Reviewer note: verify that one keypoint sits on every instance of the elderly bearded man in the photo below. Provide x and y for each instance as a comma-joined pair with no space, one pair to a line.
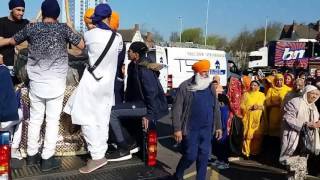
196,115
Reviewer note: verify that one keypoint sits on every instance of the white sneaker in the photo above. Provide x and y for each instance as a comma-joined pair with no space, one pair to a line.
15,153
233,159
134,150
216,163
223,166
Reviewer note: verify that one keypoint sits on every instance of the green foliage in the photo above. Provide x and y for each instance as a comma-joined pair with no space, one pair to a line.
245,41
217,41
194,35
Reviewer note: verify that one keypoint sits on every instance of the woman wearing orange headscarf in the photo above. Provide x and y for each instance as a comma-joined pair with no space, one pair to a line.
246,80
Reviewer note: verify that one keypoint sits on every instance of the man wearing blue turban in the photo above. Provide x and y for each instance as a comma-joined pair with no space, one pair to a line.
50,9
101,16
10,25
96,88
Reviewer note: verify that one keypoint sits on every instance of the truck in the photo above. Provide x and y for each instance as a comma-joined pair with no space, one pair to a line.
300,54
143,164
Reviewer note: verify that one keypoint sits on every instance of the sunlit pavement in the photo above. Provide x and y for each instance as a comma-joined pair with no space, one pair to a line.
168,156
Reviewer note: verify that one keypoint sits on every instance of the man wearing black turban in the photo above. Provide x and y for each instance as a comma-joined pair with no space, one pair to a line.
9,26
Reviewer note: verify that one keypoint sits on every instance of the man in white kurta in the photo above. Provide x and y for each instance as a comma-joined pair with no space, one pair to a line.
90,105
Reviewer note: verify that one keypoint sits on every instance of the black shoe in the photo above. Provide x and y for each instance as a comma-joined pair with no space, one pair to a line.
174,177
50,164
33,160
119,155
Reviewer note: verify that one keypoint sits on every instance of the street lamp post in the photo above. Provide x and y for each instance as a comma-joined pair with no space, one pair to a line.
207,18
265,33
180,18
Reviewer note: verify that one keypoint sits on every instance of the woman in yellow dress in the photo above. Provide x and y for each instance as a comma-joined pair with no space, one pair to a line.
272,124
274,98
252,106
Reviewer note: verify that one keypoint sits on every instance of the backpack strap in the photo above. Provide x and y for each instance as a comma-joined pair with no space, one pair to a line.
103,54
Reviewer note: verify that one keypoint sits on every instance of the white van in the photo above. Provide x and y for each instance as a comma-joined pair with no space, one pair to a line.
180,61
177,64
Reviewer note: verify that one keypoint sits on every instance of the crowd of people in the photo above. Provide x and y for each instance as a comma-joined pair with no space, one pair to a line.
278,113
277,109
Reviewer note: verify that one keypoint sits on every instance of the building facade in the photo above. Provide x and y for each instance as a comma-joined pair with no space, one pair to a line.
77,9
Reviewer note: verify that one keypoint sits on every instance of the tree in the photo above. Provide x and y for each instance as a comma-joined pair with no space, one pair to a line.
240,42
248,41
217,41
274,31
194,35
174,37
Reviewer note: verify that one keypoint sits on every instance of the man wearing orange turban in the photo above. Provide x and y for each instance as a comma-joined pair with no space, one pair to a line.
114,19
87,18
196,115
201,66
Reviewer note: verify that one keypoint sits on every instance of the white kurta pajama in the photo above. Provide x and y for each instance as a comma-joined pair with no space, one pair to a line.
91,103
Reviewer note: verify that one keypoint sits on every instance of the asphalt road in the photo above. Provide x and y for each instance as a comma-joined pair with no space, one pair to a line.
168,157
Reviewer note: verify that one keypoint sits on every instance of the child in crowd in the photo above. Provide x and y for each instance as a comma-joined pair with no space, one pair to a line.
221,147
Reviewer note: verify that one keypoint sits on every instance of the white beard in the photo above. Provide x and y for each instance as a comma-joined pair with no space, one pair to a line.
200,83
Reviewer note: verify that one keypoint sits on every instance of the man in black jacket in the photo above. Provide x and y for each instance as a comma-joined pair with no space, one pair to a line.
144,98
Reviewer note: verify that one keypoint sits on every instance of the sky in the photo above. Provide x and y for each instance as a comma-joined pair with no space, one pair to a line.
226,17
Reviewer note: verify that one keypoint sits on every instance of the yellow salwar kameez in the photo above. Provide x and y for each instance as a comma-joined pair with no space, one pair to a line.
274,114
253,129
